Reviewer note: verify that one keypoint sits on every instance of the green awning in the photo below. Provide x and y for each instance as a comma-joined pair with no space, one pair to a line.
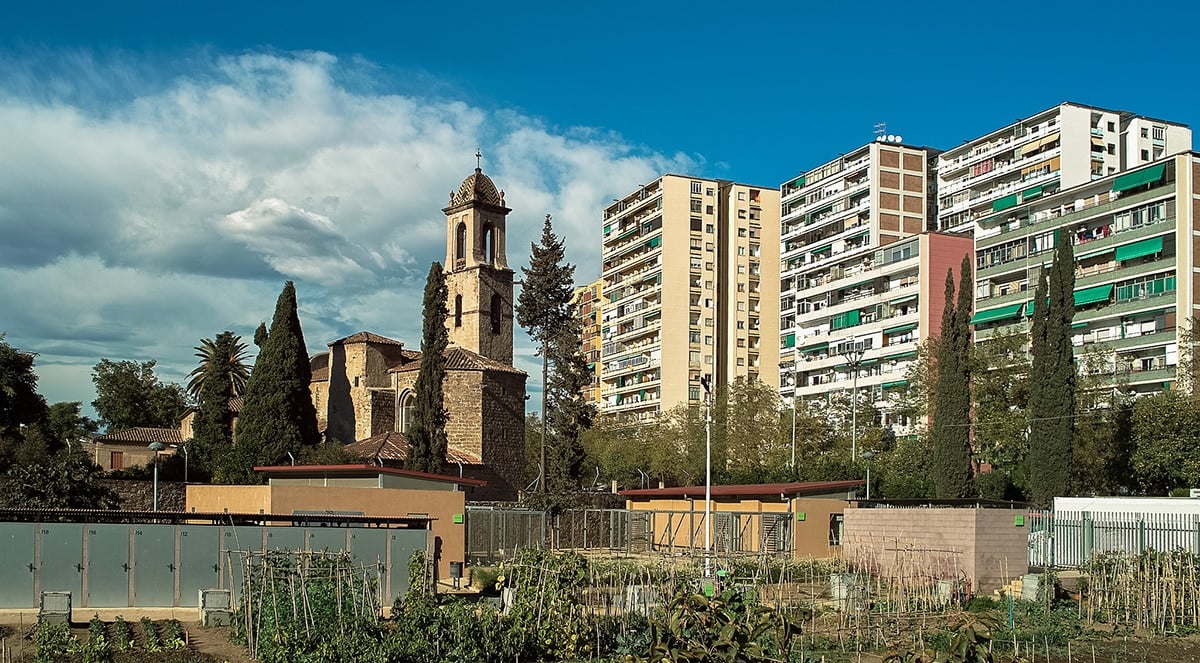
814,348
856,236
901,328
1138,178
607,228
1146,247
902,300
632,231
822,249
654,242
1002,313
799,181
789,341
1005,202
1031,193
1078,325
1092,254
1100,293
903,355
895,384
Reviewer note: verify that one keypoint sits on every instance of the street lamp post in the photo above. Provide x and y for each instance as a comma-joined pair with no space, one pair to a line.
706,382
867,456
156,447
853,354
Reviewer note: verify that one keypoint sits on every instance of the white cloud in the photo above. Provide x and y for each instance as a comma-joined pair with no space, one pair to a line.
143,211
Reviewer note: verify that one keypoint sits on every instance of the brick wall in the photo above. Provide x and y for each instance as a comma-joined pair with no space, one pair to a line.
982,545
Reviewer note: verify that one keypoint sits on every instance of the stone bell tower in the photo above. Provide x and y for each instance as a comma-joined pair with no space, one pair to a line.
479,281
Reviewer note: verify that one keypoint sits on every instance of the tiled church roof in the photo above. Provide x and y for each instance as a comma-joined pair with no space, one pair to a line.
462,359
142,436
393,446
367,337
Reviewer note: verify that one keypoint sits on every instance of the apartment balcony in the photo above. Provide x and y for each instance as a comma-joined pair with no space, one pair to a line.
997,192
999,147
1138,342
632,404
628,366
1091,209
791,196
956,185
614,348
796,215
1164,374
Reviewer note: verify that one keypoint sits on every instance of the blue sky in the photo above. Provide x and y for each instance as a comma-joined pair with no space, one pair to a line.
167,165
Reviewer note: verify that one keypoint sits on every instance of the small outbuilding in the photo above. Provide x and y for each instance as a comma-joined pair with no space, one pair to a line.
801,519
353,490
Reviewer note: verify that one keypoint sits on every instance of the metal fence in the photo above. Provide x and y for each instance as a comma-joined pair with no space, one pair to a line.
497,533
1068,539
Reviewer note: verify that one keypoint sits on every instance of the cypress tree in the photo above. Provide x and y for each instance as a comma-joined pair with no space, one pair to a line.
950,434
427,435
1052,379
278,416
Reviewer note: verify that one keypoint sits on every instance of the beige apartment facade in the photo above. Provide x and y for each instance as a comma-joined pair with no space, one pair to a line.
688,285
589,304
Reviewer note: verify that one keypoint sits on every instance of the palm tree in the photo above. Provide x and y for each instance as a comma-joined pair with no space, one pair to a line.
228,350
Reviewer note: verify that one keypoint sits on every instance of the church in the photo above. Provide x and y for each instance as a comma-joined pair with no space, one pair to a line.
362,386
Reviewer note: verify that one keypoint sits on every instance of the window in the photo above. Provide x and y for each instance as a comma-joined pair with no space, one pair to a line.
458,310
1145,132
708,227
741,195
694,356
1112,126
696,244
708,285
708,266
741,287
708,359
707,302
697,206
708,246
1112,149
741,324
697,187
709,191
741,214
694,337
1145,155
408,406
696,224
1160,133
741,306
708,209
708,340
116,460
741,250
497,313
741,232
695,262
741,362
693,393
741,269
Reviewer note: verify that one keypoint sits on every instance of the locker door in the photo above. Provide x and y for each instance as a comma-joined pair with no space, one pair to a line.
285,538
199,562
60,568
18,565
108,566
332,539
154,566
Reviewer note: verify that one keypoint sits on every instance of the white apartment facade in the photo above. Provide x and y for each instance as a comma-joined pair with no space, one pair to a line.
1057,149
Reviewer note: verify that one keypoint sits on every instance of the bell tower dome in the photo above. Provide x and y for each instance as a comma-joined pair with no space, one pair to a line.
478,278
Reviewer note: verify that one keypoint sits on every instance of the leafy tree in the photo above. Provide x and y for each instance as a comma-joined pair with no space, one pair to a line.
1052,378
1166,442
260,334
217,379
427,435
1000,391
64,481
951,430
1103,437
65,422
129,394
20,402
904,472
229,350
277,415
544,307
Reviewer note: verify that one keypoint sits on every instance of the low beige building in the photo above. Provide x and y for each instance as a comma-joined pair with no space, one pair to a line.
360,490
801,518
131,447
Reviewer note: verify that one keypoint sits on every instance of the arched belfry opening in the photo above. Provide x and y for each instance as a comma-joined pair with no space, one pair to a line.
489,244
460,246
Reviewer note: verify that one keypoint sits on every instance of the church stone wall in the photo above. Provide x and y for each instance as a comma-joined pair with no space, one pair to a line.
503,428
340,412
383,411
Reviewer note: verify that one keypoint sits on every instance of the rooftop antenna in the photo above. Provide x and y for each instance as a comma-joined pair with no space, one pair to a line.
880,129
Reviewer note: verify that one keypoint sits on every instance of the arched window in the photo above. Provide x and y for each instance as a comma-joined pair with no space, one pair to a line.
460,242
497,313
408,404
458,310
489,244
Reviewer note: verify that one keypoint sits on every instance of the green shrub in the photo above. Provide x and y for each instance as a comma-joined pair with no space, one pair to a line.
53,642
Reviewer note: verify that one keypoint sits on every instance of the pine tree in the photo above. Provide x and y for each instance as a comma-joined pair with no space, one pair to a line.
278,416
1052,379
568,413
427,435
544,308
950,434
216,380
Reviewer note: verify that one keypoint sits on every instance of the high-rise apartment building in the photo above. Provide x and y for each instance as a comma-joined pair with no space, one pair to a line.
862,282
588,305
1135,249
690,286
1055,150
